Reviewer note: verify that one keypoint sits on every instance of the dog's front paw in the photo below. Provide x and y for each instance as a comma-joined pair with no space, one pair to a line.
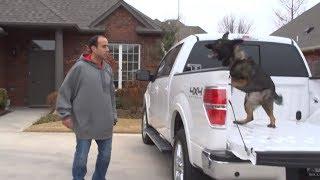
271,125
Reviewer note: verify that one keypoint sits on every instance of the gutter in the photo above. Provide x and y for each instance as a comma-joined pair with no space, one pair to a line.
89,31
51,26
310,48
141,30
35,24
3,32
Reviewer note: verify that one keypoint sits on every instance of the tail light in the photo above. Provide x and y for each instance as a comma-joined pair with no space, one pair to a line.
215,102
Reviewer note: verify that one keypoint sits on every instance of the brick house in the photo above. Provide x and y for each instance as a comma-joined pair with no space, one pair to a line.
40,40
305,30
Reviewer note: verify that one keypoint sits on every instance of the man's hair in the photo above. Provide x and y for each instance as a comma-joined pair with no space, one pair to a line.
93,41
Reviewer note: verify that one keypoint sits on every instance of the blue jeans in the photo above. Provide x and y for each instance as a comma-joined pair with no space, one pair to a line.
79,168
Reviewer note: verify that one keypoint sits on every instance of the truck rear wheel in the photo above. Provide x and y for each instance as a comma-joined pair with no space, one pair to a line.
144,125
181,166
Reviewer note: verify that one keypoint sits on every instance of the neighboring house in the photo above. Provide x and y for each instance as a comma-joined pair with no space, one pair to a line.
182,30
305,30
40,40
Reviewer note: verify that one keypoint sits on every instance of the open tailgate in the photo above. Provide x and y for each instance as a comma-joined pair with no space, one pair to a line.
291,144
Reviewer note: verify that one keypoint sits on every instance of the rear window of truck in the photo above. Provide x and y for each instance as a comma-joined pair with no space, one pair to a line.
276,59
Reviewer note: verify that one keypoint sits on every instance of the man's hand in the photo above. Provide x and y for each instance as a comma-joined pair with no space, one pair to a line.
115,122
67,122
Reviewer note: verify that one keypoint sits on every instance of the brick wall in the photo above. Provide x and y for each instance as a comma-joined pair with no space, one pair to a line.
2,63
313,58
73,47
312,55
121,28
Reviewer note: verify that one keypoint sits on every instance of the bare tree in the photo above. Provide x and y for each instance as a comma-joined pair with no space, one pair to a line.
170,28
233,25
244,27
290,10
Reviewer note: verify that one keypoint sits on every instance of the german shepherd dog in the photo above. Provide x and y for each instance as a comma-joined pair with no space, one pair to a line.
248,77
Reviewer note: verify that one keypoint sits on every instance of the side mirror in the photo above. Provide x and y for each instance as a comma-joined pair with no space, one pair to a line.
143,75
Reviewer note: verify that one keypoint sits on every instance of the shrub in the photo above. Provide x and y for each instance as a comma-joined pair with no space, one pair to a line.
47,118
51,101
3,98
119,103
131,96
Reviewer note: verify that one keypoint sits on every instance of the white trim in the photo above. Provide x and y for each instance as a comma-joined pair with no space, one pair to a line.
120,67
120,61
139,56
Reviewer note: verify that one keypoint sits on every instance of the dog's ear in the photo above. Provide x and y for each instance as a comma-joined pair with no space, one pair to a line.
225,36
209,46
237,42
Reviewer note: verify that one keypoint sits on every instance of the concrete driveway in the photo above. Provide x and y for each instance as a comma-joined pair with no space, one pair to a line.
39,156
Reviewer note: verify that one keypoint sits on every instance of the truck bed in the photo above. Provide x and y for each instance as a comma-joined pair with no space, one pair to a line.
290,144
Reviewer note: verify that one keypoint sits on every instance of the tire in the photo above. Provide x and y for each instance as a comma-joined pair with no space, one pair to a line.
181,166
144,124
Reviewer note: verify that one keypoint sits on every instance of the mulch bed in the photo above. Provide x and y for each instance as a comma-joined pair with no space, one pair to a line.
122,113
123,126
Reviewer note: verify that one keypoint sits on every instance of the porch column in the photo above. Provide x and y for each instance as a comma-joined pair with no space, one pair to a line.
59,59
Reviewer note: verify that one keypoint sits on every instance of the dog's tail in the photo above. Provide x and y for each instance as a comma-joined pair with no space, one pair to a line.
277,98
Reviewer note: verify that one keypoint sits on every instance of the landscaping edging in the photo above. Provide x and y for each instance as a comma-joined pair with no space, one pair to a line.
3,112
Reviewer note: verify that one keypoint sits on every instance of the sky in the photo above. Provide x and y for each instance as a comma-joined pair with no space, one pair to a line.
208,13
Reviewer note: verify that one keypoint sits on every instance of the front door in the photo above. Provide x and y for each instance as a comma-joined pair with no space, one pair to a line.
161,84
164,84
41,76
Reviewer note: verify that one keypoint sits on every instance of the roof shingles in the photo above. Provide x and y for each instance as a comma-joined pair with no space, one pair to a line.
296,29
78,12
81,12
31,11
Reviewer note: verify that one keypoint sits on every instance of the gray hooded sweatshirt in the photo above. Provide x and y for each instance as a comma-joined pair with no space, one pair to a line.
87,94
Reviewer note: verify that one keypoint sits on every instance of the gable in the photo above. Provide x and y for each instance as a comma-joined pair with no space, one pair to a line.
119,18
143,20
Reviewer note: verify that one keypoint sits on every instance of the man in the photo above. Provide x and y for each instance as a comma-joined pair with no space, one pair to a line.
86,104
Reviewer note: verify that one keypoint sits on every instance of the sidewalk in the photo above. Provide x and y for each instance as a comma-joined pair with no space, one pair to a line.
20,119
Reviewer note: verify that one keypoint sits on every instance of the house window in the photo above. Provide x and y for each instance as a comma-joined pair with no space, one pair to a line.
128,58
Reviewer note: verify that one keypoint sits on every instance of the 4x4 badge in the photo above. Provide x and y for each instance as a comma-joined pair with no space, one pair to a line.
196,91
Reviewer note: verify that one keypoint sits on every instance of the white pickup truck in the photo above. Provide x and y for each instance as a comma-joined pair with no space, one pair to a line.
188,110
